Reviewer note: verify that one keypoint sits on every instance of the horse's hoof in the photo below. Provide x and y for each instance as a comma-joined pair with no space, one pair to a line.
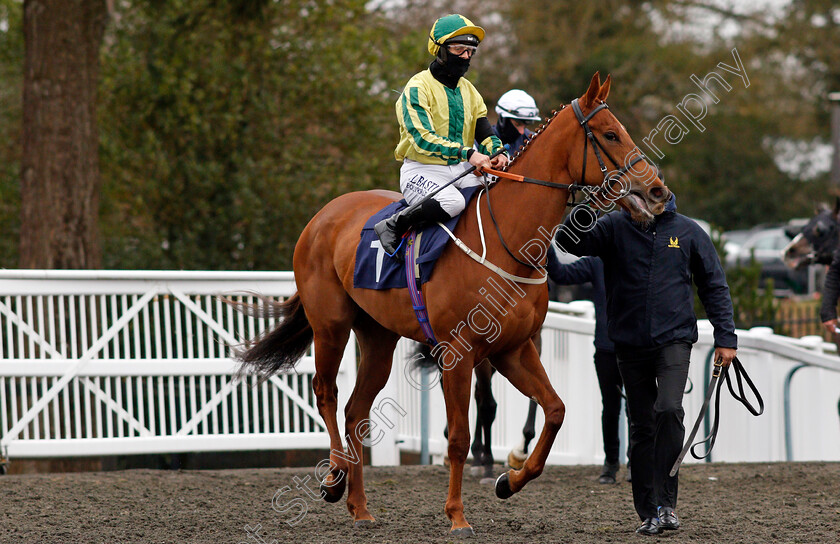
476,470
333,493
516,459
487,480
503,486
363,523
463,532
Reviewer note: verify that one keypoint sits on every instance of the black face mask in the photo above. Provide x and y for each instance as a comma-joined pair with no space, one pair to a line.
508,132
456,67
448,68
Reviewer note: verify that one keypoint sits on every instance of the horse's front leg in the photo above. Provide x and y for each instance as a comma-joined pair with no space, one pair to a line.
457,383
525,371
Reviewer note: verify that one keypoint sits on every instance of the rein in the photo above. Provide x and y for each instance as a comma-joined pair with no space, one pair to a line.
720,375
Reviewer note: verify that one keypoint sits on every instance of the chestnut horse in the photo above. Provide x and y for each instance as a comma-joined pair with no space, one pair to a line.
327,306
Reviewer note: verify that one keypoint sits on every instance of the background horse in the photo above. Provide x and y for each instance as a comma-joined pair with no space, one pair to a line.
816,242
470,323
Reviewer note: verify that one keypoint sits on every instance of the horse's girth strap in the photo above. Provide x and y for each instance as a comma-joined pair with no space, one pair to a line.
477,258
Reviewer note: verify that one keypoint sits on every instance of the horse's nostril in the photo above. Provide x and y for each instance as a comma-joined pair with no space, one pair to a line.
657,193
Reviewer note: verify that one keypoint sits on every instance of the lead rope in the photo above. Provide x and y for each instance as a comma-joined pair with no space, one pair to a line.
720,375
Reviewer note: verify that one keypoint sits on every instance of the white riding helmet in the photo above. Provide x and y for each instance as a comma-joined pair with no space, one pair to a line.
517,104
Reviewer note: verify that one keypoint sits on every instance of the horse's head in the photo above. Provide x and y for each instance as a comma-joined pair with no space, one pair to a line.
608,158
817,240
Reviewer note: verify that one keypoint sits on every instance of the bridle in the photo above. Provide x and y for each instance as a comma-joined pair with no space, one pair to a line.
573,188
599,148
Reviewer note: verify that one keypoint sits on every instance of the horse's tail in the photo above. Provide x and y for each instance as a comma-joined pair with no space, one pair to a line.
422,358
281,348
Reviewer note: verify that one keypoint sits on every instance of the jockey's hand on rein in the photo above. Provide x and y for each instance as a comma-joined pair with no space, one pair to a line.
480,161
499,161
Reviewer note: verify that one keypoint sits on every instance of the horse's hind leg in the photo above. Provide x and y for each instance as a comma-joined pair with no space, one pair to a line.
376,345
329,349
525,371
330,313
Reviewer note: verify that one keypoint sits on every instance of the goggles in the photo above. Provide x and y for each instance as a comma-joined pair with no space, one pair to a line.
522,113
459,49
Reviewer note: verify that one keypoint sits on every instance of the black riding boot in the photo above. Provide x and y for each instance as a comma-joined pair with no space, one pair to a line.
391,230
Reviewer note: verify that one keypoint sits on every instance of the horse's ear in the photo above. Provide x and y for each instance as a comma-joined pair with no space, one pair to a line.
592,93
604,91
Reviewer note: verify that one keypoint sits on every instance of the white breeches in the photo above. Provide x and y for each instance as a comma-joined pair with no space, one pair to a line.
418,180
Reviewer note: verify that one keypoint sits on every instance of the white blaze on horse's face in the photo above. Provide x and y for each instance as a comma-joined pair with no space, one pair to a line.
794,254
642,192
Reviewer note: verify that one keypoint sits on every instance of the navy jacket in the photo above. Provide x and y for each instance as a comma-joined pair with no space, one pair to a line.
648,274
587,269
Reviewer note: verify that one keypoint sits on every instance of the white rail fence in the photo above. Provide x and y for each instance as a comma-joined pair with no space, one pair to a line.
118,362
809,430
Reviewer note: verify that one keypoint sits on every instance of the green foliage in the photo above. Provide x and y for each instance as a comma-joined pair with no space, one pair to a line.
224,132
725,173
753,306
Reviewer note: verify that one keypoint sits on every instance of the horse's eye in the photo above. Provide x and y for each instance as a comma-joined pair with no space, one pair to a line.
611,136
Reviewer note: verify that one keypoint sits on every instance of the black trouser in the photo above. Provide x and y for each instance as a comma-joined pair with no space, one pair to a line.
609,380
654,382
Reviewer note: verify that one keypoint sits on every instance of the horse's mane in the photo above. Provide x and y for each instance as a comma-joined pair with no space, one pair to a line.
537,132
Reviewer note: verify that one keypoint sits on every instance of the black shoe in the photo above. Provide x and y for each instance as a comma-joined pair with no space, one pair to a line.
668,518
608,473
629,476
390,231
650,527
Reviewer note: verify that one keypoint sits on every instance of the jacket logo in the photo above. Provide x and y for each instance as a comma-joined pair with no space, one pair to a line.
673,242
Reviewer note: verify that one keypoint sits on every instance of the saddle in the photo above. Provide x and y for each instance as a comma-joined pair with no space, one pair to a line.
375,270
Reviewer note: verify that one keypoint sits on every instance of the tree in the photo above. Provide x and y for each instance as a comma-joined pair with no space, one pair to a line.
60,163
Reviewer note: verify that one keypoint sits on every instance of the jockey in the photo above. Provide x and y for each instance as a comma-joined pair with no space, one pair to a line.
441,117
516,111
